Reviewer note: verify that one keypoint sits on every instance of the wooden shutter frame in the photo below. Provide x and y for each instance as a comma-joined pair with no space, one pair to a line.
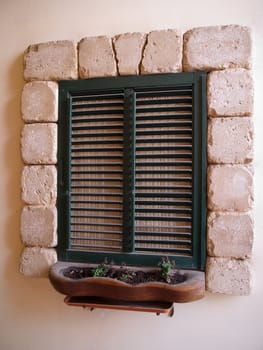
66,90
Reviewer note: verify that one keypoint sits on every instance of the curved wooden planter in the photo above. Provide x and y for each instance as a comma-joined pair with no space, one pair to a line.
193,288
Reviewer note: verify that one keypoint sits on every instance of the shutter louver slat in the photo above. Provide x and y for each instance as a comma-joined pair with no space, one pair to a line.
163,224
96,172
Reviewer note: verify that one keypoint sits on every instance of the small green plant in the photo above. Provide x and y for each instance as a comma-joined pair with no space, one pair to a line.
100,270
127,276
166,266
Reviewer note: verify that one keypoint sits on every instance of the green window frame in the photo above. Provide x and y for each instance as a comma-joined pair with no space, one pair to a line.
132,169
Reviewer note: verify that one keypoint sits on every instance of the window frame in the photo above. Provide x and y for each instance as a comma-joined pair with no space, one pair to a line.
199,118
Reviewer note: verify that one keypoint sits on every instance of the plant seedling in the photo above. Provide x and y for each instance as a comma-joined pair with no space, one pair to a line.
127,276
166,266
100,270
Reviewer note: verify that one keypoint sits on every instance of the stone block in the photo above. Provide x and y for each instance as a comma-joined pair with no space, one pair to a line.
128,48
36,262
229,234
218,47
228,276
230,187
39,102
96,57
230,140
39,143
39,184
230,93
163,52
39,226
54,60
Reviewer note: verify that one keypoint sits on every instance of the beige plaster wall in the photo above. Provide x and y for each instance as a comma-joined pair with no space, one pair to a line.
32,314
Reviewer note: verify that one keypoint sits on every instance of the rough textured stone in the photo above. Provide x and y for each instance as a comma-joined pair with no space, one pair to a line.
163,52
230,187
39,184
230,93
96,57
128,48
219,47
36,262
39,143
230,140
229,234
55,60
228,276
39,102
39,226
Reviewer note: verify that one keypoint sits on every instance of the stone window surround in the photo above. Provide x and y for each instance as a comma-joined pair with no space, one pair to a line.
225,53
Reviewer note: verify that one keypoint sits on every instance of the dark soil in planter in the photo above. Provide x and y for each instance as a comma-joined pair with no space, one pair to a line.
124,274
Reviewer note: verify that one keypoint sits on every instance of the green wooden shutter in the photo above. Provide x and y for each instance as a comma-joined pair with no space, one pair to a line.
132,169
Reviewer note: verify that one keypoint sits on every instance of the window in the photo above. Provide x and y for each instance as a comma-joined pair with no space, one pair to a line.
132,169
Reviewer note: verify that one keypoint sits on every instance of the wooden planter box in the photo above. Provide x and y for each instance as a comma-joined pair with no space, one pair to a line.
192,288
